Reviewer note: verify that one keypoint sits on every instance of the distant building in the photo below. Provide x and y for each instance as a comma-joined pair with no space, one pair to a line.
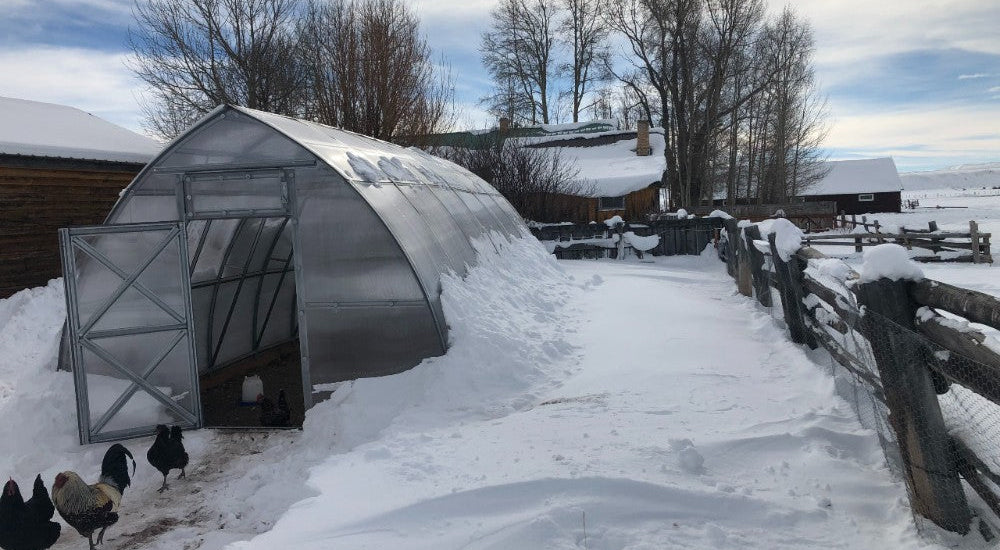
619,172
59,166
859,186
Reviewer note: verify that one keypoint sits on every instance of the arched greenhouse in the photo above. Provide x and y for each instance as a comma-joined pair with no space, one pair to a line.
257,244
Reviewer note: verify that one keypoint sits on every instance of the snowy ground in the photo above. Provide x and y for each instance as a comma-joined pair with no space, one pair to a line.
589,404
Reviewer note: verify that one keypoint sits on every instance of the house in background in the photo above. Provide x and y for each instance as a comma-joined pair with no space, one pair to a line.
859,186
618,172
59,166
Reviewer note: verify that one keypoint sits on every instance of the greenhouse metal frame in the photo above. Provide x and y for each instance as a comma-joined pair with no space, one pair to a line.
251,230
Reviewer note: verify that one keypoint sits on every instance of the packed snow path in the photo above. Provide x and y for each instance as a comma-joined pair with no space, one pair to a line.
589,404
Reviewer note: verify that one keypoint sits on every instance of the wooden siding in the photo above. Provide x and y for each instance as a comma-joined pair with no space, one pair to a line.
35,202
571,208
849,203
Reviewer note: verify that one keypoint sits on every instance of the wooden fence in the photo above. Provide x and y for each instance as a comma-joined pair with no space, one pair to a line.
810,216
907,377
596,240
972,246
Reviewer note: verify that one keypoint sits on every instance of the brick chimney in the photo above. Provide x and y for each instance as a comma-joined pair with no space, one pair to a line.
642,148
504,124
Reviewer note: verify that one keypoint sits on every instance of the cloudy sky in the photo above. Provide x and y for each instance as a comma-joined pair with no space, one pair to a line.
915,79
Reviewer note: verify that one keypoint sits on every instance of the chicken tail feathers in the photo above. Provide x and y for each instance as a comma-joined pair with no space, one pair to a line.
114,468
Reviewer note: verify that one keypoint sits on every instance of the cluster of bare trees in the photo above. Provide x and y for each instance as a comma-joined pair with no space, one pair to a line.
733,89
536,181
358,64
524,54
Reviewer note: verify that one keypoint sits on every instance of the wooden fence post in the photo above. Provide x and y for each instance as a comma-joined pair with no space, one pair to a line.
732,232
974,237
761,284
744,280
791,301
929,465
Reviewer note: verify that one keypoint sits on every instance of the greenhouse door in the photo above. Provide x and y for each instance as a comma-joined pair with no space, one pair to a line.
130,329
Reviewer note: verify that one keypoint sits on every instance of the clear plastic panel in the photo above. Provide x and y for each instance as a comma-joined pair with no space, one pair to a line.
510,226
145,208
414,233
117,257
209,254
275,321
347,254
220,192
349,343
460,211
107,381
443,226
233,139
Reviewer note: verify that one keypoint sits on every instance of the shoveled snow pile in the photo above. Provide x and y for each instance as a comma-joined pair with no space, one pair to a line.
889,261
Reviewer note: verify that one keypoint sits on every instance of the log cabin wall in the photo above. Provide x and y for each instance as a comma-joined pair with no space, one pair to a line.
576,209
40,195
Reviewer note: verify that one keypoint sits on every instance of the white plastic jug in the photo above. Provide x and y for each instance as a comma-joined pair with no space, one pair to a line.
252,387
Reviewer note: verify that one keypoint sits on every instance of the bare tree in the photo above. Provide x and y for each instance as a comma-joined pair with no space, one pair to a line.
585,31
794,119
370,71
196,54
518,53
539,184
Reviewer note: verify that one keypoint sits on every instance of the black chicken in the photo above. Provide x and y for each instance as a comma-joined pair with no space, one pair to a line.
88,508
27,525
167,452
274,416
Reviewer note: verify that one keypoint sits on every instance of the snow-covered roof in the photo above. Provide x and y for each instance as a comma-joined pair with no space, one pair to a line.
614,169
41,129
858,176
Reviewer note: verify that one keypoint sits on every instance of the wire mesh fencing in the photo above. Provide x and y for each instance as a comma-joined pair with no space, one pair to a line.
934,409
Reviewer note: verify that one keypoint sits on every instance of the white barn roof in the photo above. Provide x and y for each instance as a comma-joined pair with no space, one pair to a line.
39,129
858,176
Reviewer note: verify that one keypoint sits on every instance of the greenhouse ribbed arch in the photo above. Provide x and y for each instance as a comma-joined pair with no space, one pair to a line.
252,231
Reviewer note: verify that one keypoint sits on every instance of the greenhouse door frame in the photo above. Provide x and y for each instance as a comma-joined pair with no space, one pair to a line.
282,205
83,336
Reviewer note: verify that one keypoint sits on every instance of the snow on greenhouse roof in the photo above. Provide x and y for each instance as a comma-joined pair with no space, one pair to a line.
614,169
858,176
33,128
364,159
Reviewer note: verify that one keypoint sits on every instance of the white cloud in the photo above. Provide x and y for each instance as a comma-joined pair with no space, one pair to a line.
968,76
95,81
855,29
914,136
994,89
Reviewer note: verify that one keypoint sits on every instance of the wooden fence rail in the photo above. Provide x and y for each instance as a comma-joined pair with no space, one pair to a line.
976,243
891,316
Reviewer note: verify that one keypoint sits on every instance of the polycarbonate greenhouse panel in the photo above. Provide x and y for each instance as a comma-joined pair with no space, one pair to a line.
130,329
413,233
230,139
461,213
347,254
445,229
347,343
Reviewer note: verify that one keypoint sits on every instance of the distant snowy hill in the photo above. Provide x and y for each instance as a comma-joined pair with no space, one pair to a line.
964,176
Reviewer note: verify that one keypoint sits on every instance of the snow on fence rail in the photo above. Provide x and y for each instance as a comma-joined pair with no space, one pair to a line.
934,378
